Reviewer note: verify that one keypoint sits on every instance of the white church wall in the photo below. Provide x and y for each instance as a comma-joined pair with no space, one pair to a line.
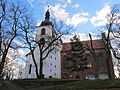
51,65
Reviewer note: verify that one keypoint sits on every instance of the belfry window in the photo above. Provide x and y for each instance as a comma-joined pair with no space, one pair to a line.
43,31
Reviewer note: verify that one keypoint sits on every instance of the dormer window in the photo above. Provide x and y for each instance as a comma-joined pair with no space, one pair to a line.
43,31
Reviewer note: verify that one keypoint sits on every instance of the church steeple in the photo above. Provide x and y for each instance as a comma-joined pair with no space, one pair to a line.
47,15
47,19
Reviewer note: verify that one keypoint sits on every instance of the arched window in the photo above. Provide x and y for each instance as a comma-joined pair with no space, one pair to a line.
43,31
101,60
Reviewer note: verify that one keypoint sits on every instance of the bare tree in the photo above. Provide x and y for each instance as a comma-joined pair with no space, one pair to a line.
113,27
2,18
112,34
10,65
45,47
10,16
93,53
28,29
8,70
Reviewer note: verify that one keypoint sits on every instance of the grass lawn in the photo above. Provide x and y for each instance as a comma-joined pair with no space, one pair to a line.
31,83
88,84
68,84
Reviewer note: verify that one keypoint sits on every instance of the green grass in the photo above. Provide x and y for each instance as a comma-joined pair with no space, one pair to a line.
88,84
1,84
31,83
68,84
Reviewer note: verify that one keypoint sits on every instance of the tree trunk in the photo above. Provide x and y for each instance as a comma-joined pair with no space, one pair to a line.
0,43
41,64
92,51
41,69
36,67
108,55
2,65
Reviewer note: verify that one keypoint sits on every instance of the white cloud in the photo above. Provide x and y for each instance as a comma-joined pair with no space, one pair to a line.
76,19
38,24
82,36
75,6
84,13
18,43
21,52
14,54
61,14
100,18
69,1
31,2
64,6
61,0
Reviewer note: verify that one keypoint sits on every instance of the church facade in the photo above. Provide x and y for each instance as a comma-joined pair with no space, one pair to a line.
52,63
103,62
55,65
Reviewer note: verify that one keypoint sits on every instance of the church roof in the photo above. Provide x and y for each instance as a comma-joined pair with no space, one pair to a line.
44,23
97,44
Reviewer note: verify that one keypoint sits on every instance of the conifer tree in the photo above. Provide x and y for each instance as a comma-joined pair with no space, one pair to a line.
76,56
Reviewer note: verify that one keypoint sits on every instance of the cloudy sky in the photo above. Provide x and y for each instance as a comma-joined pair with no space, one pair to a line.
85,15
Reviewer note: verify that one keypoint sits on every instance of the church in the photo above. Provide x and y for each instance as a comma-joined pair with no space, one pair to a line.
103,64
52,62
54,65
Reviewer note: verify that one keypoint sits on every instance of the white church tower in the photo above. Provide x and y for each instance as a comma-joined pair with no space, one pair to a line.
46,28
51,64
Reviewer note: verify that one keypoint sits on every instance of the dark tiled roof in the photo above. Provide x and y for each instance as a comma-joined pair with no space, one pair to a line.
98,43
44,23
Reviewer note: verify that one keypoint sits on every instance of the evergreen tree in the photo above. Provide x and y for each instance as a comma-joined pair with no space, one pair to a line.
76,56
